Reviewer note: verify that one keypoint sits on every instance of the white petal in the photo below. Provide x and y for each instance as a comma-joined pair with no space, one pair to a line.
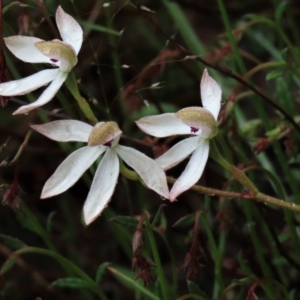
163,125
70,170
151,173
211,94
23,48
69,29
46,96
193,170
103,186
28,84
178,153
65,130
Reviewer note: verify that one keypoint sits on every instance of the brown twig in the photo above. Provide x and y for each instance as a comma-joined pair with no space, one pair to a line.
20,151
222,70
259,197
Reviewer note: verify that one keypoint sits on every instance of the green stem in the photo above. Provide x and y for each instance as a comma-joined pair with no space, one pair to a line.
157,261
172,258
116,60
258,247
231,37
238,174
240,62
215,253
129,174
191,296
83,104
39,229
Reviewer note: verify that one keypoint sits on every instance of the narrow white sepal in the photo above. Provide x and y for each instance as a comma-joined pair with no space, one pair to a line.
70,170
28,84
193,170
69,29
178,153
163,125
211,94
103,186
46,96
150,172
65,130
24,49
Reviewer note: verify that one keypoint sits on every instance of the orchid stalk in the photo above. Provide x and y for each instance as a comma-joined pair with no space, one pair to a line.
60,54
200,122
102,140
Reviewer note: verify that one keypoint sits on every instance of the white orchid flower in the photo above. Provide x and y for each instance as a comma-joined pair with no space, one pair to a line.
198,121
62,54
101,139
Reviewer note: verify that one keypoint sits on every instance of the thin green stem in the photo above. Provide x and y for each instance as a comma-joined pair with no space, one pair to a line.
231,38
172,258
257,245
83,104
39,229
116,61
238,174
215,253
239,60
161,276
191,296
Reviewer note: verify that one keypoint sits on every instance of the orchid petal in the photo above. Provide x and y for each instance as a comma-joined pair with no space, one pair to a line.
65,130
211,94
69,29
153,176
178,153
193,170
28,84
70,170
46,96
24,49
103,186
163,125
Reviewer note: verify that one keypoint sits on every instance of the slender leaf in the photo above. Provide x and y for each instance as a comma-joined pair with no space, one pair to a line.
70,282
12,242
185,221
157,217
194,289
100,271
125,221
9,263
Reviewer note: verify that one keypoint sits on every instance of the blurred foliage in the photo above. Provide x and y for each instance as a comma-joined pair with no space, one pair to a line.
244,249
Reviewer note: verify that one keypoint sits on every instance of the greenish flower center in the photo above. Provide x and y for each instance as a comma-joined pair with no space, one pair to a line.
199,118
59,51
104,133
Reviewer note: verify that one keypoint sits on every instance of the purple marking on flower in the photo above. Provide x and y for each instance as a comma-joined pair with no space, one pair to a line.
108,144
194,129
54,60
